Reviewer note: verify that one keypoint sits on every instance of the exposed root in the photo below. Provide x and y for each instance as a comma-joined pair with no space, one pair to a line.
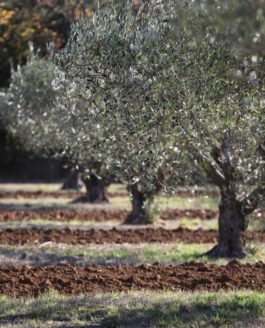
223,251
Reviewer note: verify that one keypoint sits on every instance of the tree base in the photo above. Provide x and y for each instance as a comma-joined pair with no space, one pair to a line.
88,200
222,251
137,219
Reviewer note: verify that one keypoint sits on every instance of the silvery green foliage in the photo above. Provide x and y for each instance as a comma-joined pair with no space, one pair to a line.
163,98
116,66
27,105
224,120
77,139
28,108
240,22
223,125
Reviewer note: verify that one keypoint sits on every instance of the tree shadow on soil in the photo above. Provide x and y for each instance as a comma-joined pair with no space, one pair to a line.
200,315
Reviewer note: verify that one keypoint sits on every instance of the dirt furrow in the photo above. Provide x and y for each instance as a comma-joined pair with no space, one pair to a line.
29,236
66,215
23,281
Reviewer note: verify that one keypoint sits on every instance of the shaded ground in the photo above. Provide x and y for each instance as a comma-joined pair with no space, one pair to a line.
27,236
147,309
17,281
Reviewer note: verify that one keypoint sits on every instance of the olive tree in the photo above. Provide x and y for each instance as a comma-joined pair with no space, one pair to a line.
27,107
114,67
26,104
223,133
77,140
228,133
170,94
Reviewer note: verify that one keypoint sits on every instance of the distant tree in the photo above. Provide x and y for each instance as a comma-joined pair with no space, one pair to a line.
41,22
77,147
27,108
26,105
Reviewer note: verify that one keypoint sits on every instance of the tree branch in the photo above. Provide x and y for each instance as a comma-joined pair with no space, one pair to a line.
251,202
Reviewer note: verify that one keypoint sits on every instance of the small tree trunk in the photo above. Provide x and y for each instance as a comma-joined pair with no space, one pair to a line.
95,190
141,207
73,181
231,223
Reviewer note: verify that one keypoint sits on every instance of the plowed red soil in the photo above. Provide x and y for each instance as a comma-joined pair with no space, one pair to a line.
67,215
26,281
75,194
117,236
99,215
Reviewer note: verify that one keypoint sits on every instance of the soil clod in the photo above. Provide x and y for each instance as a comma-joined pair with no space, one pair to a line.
27,281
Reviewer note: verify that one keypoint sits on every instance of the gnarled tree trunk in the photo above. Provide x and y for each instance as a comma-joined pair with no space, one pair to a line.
231,222
73,181
95,190
141,206
232,213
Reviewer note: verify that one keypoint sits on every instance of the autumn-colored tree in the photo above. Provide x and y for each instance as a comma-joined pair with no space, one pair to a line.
39,21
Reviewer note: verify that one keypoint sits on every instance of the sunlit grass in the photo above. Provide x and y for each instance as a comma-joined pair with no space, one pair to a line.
160,201
170,224
36,201
174,201
119,254
30,186
41,223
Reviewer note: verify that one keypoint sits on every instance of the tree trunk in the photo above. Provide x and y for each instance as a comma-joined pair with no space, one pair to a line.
141,206
73,181
95,190
231,223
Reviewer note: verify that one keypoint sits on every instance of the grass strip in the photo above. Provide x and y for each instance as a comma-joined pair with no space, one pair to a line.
141,309
51,254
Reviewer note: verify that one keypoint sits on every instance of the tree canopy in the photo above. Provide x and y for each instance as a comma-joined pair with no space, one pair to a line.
173,92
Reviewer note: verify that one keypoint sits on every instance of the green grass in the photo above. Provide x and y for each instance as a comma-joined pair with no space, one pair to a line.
37,202
194,202
30,186
41,223
174,201
139,309
198,223
115,187
49,187
118,254
124,201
